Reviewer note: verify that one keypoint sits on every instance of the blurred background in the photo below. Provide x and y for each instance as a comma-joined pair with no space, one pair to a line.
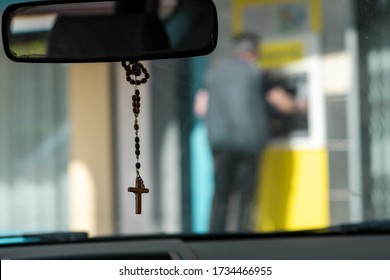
66,138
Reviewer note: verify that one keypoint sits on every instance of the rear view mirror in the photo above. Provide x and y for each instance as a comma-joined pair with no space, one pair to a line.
103,31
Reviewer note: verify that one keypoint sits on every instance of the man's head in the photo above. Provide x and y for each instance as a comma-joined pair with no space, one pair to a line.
246,45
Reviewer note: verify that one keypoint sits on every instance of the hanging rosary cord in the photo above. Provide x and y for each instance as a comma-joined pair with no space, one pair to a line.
134,70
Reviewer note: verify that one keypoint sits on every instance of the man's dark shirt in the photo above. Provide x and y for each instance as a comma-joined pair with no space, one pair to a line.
237,118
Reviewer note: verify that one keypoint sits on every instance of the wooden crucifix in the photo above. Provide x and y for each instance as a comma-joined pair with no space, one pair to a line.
138,191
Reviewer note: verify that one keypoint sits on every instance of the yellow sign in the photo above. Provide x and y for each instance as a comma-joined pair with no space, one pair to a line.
240,6
275,55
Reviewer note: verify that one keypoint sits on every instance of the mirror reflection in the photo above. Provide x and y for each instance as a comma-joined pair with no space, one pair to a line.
112,30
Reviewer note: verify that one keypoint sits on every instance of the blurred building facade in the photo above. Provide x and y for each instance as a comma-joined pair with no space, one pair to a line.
66,158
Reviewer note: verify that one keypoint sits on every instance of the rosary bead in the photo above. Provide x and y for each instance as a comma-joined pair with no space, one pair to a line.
136,74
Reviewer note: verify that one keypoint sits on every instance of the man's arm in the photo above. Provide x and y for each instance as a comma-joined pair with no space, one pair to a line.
201,103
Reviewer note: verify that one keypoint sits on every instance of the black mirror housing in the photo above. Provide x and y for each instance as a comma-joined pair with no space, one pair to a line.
108,31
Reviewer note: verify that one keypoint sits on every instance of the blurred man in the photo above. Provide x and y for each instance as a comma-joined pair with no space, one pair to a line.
237,123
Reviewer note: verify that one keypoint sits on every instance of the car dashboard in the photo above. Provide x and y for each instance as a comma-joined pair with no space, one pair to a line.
279,246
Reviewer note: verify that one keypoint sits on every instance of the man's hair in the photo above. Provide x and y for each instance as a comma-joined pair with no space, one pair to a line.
246,41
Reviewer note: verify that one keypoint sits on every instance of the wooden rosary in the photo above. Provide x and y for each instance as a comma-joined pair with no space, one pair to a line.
134,70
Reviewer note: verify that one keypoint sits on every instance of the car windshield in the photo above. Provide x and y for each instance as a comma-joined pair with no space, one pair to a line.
284,127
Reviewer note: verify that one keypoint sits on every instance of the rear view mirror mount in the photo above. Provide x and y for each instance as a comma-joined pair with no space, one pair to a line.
108,31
